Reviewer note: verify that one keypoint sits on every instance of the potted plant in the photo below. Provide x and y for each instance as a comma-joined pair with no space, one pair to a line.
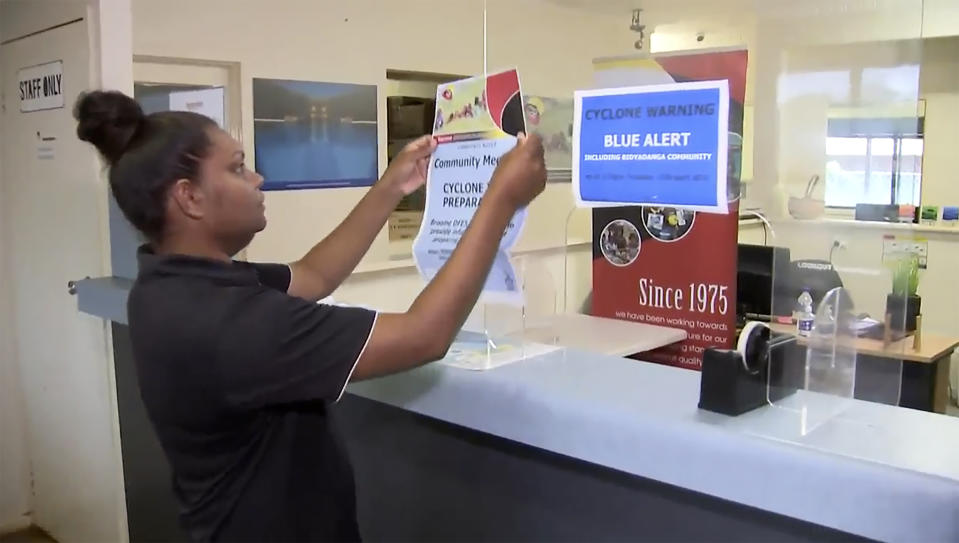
903,305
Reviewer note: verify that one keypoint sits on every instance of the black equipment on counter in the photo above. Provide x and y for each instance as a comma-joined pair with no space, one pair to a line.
766,367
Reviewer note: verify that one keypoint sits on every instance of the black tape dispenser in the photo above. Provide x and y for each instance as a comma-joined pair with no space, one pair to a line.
761,369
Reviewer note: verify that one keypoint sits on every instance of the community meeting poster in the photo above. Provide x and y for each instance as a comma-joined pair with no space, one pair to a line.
310,134
476,122
671,263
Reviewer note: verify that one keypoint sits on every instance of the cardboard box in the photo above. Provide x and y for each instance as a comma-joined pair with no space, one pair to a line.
409,117
404,224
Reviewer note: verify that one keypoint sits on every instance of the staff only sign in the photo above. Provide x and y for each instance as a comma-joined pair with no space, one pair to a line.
652,145
41,87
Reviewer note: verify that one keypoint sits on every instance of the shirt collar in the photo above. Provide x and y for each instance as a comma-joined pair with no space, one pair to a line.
152,264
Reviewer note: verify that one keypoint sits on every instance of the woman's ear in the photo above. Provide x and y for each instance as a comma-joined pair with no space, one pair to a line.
187,198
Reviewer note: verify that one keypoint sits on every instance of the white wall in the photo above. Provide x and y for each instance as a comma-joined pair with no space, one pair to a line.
792,110
53,230
14,458
357,42
939,87
553,48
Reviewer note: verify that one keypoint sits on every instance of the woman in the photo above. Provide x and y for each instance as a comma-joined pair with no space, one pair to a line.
237,364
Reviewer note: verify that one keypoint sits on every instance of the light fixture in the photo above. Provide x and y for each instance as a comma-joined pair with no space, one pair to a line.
639,28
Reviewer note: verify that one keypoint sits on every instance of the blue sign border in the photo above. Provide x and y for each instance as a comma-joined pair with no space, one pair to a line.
722,121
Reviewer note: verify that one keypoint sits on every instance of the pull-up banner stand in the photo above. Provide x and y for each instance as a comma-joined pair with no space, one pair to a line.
657,155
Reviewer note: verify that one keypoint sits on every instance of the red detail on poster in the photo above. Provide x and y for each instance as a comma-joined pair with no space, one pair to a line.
500,89
717,66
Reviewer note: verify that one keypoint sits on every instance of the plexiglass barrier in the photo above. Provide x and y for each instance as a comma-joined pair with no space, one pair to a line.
831,118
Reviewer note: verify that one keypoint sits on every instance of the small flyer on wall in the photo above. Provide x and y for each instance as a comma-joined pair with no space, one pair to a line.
477,121
667,262
652,145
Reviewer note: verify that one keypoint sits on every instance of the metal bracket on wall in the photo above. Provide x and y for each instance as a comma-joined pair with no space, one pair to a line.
104,297
72,286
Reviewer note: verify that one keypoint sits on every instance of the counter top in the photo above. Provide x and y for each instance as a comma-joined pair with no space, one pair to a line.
600,335
876,471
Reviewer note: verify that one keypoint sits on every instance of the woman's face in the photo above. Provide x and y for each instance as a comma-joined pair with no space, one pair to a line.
234,202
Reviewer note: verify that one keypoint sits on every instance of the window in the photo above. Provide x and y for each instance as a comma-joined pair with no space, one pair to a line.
873,161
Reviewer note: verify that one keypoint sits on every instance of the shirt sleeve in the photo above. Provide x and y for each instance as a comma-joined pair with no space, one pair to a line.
277,349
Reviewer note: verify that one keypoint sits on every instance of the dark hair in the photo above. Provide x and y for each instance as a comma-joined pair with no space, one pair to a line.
147,154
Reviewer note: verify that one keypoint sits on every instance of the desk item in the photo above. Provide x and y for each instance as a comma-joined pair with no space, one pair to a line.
917,337
950,215
807,207
903,311
877,212
904,304
762,276
476,351
805,317
887,331
864,325
929,214
736,381
818,277
907,213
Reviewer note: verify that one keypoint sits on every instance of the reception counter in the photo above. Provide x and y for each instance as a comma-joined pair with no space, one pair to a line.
571,445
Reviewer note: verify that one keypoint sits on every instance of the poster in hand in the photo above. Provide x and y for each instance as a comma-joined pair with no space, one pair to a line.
476,122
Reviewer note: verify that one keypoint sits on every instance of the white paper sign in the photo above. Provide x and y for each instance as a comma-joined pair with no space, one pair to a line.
41,87
207,102
473,132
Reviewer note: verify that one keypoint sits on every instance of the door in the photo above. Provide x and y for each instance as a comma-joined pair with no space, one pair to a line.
208,88
51,211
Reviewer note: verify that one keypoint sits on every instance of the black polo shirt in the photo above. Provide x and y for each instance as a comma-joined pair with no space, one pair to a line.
237,378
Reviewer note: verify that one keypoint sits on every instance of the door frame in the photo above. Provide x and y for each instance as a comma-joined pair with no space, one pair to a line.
233,92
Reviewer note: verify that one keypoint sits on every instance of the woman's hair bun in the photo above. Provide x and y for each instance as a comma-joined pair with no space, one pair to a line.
109,120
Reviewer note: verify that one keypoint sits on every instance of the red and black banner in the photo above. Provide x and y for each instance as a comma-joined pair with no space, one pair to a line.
674,267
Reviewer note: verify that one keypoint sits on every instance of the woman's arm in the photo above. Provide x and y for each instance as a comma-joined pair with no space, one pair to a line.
425,332
331,261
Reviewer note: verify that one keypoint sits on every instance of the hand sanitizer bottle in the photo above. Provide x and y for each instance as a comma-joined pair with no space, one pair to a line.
804,317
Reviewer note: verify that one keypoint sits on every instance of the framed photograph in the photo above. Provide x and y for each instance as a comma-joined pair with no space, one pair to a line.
313,135
552,120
